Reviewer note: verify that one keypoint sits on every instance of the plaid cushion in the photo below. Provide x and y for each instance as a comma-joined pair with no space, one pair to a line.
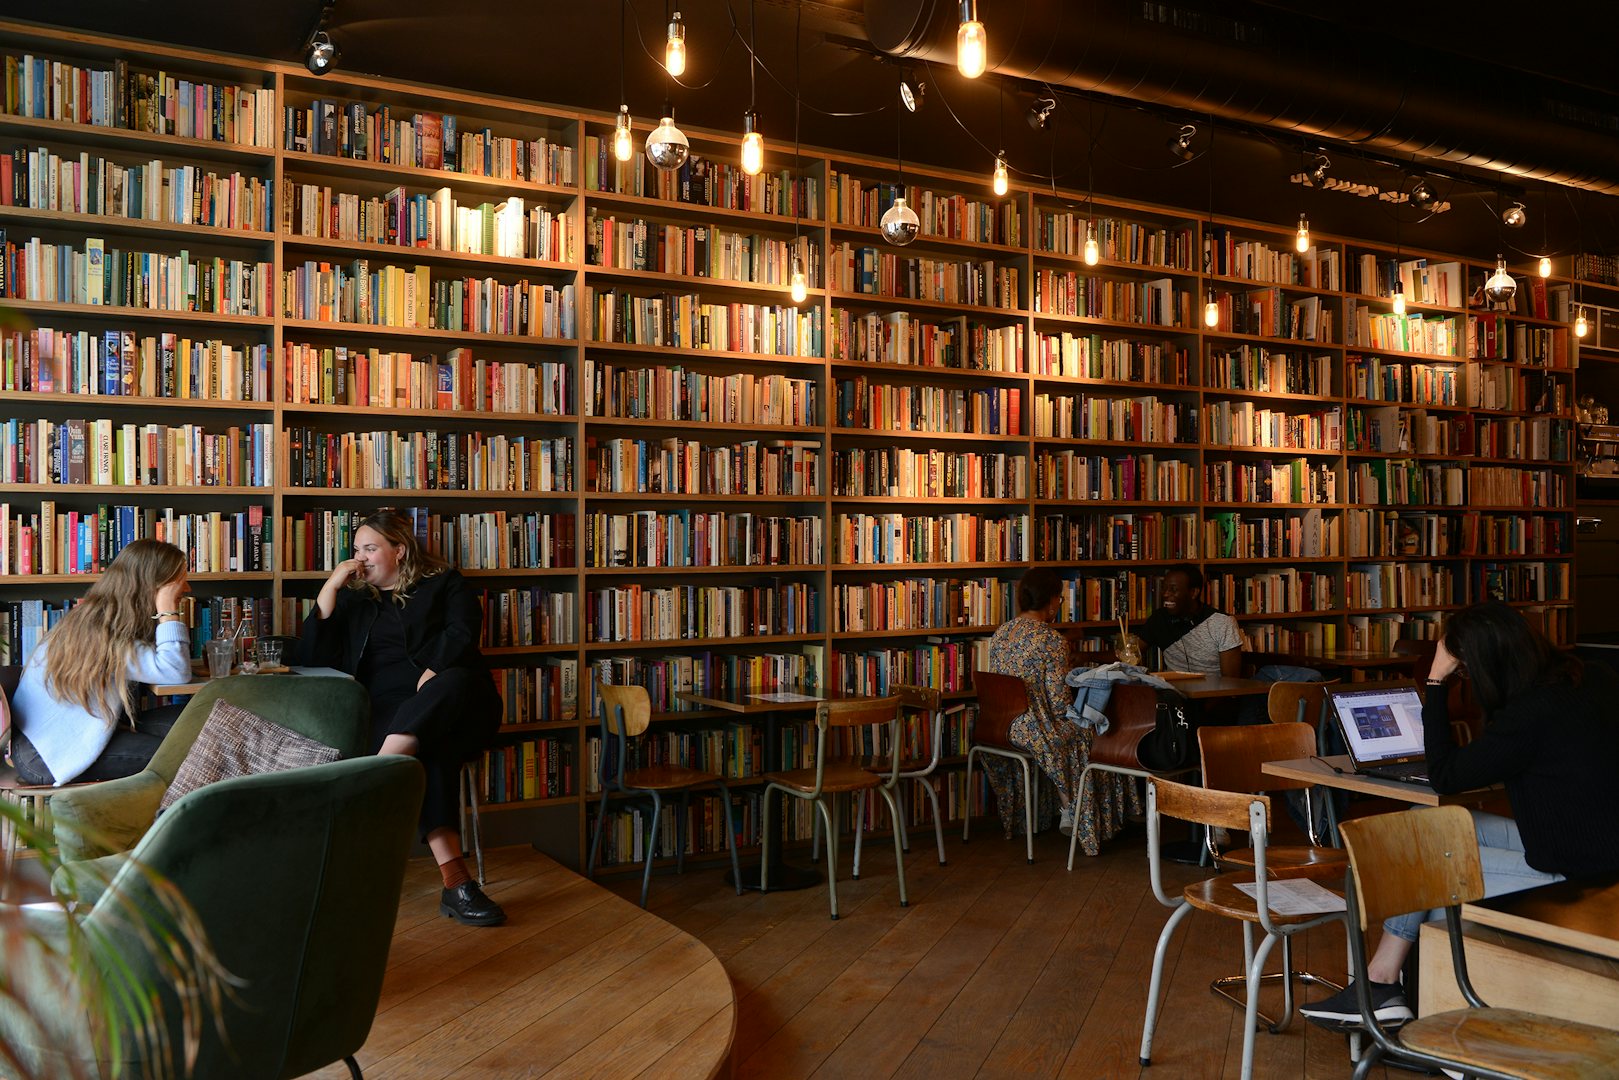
235,742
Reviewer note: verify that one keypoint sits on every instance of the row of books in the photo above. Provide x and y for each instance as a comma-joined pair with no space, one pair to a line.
865,405
854,201
702,181
1496,387
1115,537
698,251
1400,482
895,539
1229,255
531,769
1138,419
686,322
1295,636
102,452
1399,585
1103,598
694,612
735,751
1441,284
654,538
52,541
514,618
423,140
1521,581
457,382
1372,378
1296,482
1063,232
871,271
922,604
476,540
435,221
681,393
428,460
942,662
676,466
705,672
112,277
1151,303
1491,336
900,472
1075,475
1091,356
416,299
1276,592
1257,369
911,340
121,363
44,88
1242,424
543,694
1435,335
1275,314
23,623
1308,535
152,191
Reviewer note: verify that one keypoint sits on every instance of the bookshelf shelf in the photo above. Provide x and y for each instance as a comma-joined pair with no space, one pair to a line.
517,525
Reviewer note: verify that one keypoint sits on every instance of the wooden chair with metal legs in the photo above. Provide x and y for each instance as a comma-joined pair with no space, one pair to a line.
1306,703
1220,896
1001,700
1116,751
469,801
919,705
1426,858
820,784
1232,758
626,712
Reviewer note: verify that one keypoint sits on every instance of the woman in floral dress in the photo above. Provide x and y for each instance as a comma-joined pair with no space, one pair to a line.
1031,648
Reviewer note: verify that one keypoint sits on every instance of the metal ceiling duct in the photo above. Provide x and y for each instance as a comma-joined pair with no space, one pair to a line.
1249,63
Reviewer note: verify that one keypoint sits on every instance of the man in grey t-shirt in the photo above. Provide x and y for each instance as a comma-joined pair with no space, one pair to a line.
1190,635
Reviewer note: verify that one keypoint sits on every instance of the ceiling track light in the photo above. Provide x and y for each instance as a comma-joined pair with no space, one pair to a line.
1318,173
1422,196
1180,144
1301,241
910,93
972,46
674,49
320,51
1515,216
1040,112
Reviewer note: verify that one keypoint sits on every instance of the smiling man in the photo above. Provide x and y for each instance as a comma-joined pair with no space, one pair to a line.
1188,634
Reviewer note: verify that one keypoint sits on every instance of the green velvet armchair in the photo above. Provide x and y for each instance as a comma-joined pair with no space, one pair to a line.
108,819
295,878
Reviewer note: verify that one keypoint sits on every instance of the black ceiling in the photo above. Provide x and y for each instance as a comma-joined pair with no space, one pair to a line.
568,53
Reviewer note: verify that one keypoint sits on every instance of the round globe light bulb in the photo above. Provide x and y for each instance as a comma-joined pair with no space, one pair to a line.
899,224
1500,288
667,146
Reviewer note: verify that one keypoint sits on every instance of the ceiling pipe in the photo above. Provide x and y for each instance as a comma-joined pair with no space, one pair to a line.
1258,65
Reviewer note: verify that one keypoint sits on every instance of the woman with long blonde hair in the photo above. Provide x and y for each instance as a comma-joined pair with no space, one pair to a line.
406,625
80,684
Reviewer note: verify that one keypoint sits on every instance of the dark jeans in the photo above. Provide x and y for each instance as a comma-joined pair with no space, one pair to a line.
127,754
454,718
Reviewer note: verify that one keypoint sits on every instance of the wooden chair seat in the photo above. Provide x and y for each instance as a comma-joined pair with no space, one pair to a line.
838,777
1518,1043
1220,896
667,777
1289,856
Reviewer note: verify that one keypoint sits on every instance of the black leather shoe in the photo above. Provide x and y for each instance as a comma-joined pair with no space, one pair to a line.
468,904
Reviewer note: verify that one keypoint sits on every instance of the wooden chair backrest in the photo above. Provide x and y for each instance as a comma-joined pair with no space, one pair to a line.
1283,701
1204,806
1412,861
1232,756
1001,700
626,705
1132,712
924,698
857,712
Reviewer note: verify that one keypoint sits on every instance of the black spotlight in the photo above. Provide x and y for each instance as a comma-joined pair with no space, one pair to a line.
1318,174
1422,196
1180,144
1515,216
320,51
1040,112
910,93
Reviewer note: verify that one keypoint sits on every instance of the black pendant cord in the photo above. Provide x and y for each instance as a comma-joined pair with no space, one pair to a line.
622,4
798,110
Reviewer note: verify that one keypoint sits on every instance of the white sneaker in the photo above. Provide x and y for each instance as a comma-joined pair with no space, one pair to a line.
1065,823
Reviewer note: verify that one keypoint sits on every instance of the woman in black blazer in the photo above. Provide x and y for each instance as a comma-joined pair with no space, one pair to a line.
405,625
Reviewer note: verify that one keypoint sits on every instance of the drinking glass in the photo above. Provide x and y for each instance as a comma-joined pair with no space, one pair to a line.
269,654
221,653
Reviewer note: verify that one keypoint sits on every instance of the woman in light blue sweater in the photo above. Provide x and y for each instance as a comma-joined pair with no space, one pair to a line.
80,684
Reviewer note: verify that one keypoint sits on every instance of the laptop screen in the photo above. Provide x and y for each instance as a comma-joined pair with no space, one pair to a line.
1382,724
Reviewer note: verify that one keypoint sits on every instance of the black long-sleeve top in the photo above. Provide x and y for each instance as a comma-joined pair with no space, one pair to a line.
441,618
1556,749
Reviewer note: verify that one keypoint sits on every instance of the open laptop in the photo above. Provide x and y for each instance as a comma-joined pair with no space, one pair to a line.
1382,728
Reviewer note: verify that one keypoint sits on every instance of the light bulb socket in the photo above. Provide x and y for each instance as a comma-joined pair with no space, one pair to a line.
750,123
967,10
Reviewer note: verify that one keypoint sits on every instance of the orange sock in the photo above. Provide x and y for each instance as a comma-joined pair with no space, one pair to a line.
454,872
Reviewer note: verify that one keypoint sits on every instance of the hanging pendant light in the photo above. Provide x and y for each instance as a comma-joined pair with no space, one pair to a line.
1581,325
667,147
1000,181
753,144
1093,251
674,49
800,284
1211,312
1301,242
1499,288
1399,297
972,46
899,223
1545,266
623,141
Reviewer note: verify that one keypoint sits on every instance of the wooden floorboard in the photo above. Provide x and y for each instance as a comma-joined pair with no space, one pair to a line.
997,969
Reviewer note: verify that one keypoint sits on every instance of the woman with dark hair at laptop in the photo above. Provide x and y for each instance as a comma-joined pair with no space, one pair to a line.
1550,736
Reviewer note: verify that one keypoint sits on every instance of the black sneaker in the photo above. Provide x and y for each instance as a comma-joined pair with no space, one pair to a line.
467,903
1341,1011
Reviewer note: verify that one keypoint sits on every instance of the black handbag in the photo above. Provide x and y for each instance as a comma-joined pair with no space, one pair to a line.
1147,729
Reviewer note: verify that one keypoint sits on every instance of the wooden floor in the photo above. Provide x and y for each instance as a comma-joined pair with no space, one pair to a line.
998,968
577,983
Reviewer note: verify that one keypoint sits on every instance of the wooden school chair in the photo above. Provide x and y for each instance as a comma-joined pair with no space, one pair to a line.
1220,896
1001,700
920,705
1426,858
820,784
